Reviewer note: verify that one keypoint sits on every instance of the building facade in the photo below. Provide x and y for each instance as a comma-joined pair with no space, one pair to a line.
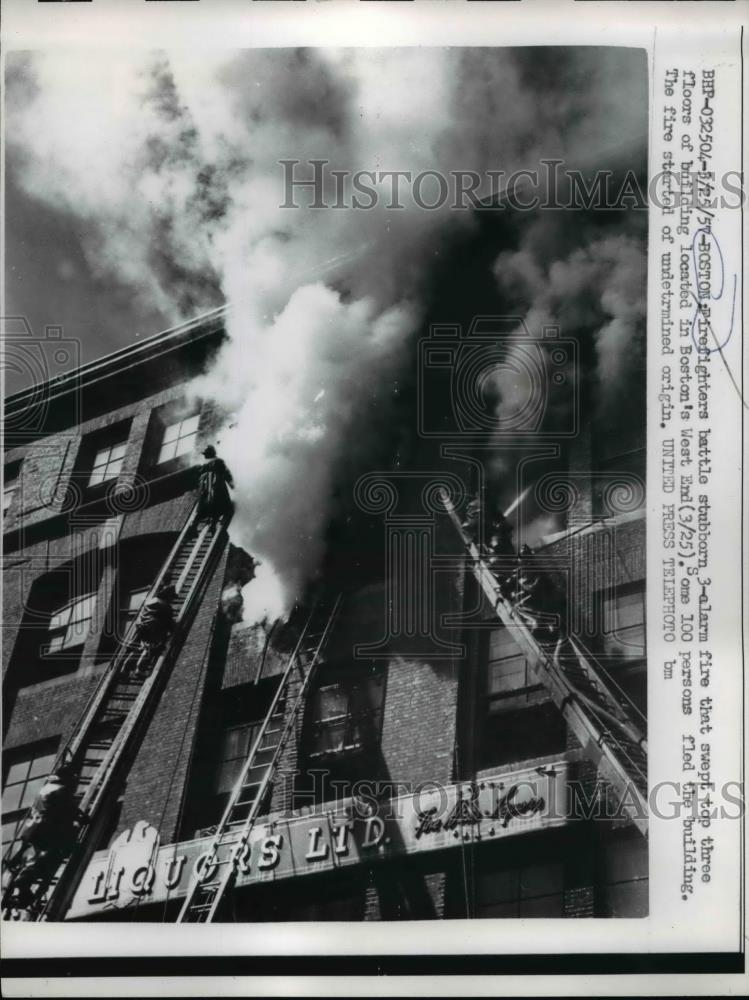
429,771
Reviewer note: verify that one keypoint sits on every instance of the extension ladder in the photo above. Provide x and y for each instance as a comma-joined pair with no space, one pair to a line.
121,706
209,885
599,714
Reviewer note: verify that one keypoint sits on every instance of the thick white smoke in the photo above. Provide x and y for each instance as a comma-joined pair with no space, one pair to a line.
295,384
171,163
599,287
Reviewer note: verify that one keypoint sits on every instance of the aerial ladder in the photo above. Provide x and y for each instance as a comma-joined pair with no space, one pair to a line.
249,797
108,732
600,714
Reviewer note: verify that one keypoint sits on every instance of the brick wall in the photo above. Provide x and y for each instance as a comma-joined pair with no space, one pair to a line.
156,782
52,707
50,712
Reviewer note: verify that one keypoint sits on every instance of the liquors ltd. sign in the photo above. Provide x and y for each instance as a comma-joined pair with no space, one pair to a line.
138,870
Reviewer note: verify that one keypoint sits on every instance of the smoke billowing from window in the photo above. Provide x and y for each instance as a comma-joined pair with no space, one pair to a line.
171,163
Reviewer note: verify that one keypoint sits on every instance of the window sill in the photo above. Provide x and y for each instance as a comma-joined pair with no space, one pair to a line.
351,749
522,698
61,654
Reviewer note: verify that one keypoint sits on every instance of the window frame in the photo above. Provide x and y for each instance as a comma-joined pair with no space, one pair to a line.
31,784
49,648
111,467
354,736
501,698
178,438
220,785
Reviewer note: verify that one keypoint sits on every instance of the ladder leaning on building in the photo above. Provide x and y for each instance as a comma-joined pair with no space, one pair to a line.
597,712
210,884
109,730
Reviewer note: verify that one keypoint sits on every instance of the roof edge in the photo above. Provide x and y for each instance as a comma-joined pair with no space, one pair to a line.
193,329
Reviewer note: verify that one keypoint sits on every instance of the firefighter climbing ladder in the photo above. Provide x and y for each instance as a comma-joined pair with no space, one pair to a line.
596,711
230,842
121,706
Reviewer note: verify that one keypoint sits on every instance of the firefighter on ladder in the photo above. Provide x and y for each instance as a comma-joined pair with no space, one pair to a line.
542,603
501,549
50,829
472,521
214,501
154,625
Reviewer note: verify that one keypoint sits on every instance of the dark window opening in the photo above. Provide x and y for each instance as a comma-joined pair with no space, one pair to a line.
334,896
59,617
345,716
341,733
534,890
518,719
509,683
522,877
516,736
228,733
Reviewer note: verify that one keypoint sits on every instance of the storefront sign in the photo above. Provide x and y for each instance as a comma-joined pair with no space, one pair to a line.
137,870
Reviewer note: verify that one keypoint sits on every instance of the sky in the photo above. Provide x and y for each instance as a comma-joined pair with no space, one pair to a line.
145,188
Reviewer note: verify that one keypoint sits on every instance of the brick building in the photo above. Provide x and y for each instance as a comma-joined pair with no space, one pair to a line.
462,759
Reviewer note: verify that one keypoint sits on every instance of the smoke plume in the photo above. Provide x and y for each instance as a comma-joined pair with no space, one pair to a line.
170,163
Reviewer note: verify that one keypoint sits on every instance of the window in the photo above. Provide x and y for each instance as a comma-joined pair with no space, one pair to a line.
624,623
236,743
346,716
179,438
107,463
24,777
508,673
10,484
70,625
533,891
520,722
134,603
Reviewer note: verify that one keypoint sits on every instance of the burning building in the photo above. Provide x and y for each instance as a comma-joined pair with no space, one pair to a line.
447,721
